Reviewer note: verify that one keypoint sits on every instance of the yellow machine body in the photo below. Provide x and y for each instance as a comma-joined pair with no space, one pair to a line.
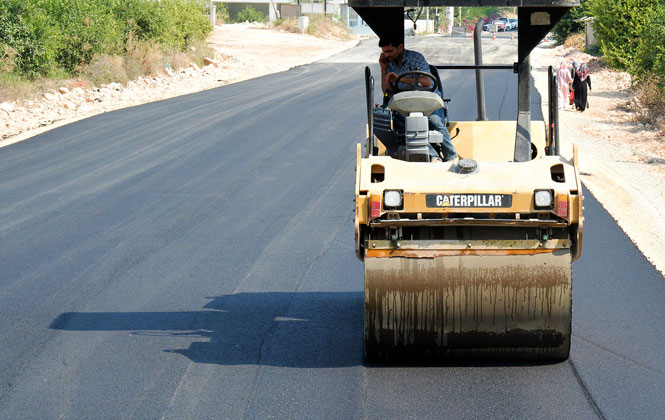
467,265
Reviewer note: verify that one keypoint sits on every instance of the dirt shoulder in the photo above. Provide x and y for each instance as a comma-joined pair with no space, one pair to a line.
622,162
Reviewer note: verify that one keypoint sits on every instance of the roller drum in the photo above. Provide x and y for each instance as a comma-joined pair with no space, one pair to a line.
465,307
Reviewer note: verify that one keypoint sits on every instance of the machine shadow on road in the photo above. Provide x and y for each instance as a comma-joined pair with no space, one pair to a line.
284,329
305,330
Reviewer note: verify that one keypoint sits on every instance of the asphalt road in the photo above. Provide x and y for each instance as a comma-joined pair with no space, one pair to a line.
193,258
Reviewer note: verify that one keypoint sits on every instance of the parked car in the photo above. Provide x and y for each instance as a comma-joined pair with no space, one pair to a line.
499,25
511,24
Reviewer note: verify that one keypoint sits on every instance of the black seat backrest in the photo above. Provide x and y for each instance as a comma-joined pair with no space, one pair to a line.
435,73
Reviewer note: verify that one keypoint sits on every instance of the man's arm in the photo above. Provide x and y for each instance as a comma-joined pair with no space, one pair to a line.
421,65
384,73
424,81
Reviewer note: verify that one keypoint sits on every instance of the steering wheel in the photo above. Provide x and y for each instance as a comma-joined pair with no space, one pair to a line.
415,85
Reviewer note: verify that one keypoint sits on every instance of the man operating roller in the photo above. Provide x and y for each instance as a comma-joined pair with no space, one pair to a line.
394,61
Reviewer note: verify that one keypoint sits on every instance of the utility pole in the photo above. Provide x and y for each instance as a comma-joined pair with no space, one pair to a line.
213,13
450,15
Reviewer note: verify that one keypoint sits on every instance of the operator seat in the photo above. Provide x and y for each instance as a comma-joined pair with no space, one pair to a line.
435,72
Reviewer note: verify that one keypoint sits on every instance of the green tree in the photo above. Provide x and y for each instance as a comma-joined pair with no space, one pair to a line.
650,57
618,27
567,25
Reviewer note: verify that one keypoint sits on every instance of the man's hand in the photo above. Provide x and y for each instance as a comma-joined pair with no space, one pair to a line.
423,81
383,62
387,81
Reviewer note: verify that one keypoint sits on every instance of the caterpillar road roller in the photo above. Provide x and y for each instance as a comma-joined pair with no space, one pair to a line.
467,259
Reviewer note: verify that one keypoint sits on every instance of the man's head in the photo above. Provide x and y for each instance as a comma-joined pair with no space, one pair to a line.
392,46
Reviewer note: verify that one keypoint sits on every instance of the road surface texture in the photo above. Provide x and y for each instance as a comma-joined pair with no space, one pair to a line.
193,258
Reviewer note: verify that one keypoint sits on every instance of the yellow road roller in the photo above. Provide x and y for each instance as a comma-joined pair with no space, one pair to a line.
467,259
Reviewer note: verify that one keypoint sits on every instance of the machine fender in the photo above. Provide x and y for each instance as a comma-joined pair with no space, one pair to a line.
357,202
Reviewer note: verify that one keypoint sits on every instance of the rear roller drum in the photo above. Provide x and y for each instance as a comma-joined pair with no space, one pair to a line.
461,307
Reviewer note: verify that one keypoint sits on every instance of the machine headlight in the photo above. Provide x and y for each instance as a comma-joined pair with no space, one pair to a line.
543,199
392,199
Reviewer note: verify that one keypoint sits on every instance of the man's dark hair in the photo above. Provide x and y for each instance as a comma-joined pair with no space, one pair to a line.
391,38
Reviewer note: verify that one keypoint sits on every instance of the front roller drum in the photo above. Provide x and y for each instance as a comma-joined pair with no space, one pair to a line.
467,307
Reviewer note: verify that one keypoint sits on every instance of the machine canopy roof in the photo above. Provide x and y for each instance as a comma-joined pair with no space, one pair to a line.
535,17
463,3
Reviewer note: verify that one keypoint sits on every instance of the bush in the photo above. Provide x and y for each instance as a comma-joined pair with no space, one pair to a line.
182,22
86,30
650,57
137,18
174,23
618,27
7,59
567,25
29,37
39,37
250,14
